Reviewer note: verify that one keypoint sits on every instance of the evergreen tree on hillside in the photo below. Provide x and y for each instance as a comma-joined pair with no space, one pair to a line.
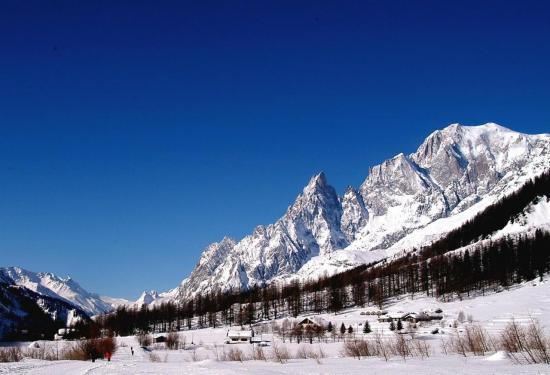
366,327
342,329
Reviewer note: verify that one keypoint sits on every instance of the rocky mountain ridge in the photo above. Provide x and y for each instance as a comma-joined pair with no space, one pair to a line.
458,169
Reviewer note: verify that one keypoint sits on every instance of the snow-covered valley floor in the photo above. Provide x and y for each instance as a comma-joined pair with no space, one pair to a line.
122,363
204,347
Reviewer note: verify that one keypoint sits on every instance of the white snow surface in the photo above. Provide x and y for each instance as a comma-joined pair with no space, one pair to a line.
115,302
181,363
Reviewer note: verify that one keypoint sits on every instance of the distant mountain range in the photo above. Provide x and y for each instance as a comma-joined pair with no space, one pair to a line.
405,202
65,289
30,313
25,294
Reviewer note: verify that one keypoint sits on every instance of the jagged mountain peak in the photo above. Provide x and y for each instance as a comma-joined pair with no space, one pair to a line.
315,217
317,185
310,226
318,179
317,188
147,297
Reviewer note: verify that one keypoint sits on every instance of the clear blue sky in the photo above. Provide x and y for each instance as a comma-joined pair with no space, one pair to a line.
134,134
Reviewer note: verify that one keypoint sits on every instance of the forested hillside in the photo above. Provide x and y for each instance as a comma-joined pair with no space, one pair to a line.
27,315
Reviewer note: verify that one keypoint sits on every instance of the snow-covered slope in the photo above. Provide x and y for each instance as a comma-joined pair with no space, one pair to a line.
66,289
405,201
535,216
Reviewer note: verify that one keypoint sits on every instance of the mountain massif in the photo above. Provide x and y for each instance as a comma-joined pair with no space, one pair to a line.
404,202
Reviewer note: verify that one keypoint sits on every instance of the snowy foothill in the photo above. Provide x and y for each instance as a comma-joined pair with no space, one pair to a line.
203,351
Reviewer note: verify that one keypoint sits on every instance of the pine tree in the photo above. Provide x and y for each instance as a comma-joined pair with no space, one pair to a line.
392,326
336,300
399,325
366,327
342,329
329,328
350,330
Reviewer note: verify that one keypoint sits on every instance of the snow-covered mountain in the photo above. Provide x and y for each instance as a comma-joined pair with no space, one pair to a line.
405,201
310,227
63,288
147,297
25,309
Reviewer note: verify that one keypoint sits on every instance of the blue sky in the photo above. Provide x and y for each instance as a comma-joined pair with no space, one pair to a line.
134,134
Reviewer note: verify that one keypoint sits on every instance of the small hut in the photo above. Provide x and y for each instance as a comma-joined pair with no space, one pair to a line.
234,337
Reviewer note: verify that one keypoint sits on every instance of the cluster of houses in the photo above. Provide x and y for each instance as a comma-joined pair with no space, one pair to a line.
412,317
249,336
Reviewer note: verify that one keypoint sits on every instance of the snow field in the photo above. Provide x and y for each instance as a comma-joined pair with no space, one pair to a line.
204,348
